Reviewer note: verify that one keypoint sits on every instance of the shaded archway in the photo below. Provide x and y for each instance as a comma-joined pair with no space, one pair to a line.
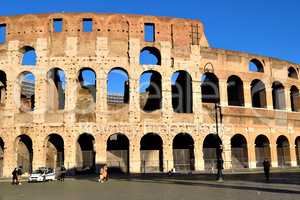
297,146
1,156
258,94
239,151
56,89
235,91
118,153
278,96
210,88
85,154
117,88
292,73
86,95
24,153
151,149
283,151
256,66
210,145
29,56
54,151
150,91
26,90
295,99
262,150
182,92
2,88
183,152
150,56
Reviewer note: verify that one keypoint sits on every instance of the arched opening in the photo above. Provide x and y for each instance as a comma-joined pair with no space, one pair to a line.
2,88
1,156
85,154
210,146
182,92
283,152
256,66
151,148
54,151
150,56
29,56
235,91
210,88
26,87
86,95
297,146
292,73
118,153
150,91
258,94
262,150
239,151
183,152
56,89
24,153
295,99
117,88
278,96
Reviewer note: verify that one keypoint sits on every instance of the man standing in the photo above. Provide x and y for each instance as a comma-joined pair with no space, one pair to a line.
267,166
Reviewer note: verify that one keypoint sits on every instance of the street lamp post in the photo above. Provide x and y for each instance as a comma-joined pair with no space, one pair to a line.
219,148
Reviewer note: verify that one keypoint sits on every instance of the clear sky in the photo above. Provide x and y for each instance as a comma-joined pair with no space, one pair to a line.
267,27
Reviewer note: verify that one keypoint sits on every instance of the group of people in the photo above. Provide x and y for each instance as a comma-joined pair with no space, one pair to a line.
16,173
103,177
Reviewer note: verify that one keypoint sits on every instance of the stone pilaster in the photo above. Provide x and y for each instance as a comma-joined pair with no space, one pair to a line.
223,92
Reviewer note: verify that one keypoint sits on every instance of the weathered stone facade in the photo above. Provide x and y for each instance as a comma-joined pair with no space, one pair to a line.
116,41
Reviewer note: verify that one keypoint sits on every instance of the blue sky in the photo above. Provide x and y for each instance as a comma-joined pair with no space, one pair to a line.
266,27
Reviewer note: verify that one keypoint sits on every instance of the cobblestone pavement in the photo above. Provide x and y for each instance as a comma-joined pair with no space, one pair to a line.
245,187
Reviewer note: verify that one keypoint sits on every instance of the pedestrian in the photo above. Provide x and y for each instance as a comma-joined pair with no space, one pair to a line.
62,173
101,175
19,174
105,173
15,180
267,166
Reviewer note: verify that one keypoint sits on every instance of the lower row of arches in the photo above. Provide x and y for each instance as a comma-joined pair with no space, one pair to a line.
151,152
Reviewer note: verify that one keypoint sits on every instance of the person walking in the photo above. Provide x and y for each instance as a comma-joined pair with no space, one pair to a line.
15,180
267,166
62,173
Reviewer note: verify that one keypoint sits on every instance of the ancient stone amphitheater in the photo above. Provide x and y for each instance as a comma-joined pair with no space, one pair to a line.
57,109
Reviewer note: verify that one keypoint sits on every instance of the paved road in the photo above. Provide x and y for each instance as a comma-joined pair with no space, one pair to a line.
236,187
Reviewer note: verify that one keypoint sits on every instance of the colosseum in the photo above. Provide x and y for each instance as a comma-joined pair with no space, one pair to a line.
141,94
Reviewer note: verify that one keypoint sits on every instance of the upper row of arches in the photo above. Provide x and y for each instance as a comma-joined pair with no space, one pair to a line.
152,56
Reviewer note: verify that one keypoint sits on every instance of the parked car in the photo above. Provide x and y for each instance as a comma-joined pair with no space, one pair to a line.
42,174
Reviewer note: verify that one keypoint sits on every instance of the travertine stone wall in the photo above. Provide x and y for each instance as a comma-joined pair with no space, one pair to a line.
116,41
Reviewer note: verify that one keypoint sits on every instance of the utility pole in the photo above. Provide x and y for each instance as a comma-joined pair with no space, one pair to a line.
219,148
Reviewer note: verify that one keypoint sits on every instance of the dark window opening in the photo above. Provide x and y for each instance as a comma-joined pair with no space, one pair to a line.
150,91
210,88
256,66
58,25
27,92
183,152
150,56
182,95
292,73
118,153
239,151
85,154
278,96
262,150
195,35
295,99
2,33
151,150
149,32
87,25
235,91
258,94
56,89
2,88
